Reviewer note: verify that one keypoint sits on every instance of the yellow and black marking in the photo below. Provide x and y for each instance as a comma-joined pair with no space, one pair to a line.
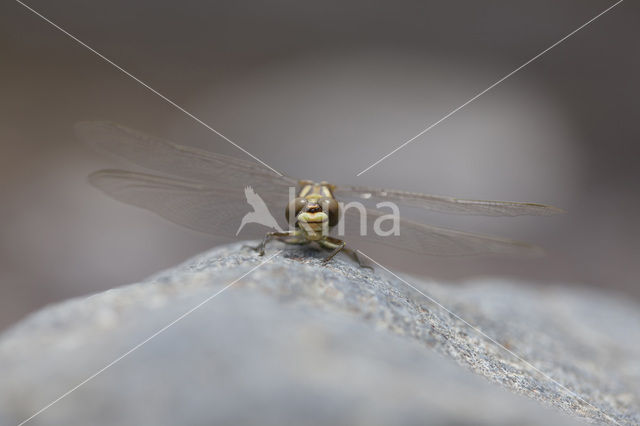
314,191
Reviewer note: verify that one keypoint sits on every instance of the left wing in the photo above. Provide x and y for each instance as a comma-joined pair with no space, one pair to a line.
445,204
431,240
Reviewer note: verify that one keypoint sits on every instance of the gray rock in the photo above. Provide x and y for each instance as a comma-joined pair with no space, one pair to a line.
296,342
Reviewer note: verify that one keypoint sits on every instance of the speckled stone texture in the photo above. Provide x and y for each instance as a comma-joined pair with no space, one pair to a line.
297,342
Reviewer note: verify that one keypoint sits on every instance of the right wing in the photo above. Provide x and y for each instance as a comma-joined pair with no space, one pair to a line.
212,210
179,160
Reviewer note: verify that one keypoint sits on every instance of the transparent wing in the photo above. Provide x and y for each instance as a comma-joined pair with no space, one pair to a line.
215,211
444,204
431,240
178,160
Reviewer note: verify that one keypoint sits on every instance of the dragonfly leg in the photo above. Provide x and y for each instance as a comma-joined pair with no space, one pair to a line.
293,240
268,237
333,244
354,255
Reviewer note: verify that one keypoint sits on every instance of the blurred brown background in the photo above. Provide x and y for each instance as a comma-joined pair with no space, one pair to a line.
321,90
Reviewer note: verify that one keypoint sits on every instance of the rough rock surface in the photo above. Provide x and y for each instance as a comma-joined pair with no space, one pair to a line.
296,342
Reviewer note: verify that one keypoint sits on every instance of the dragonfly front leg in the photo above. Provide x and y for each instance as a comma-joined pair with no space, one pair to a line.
268,237
354,255
332,243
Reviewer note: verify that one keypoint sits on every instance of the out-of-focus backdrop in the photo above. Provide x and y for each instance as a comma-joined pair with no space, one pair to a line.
320,90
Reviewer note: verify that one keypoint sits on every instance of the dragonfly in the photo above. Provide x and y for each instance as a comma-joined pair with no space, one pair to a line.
209,192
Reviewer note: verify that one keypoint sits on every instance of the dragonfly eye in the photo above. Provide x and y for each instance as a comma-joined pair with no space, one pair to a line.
331,208
296,205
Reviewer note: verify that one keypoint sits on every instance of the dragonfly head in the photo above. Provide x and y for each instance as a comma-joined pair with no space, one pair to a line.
314,211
